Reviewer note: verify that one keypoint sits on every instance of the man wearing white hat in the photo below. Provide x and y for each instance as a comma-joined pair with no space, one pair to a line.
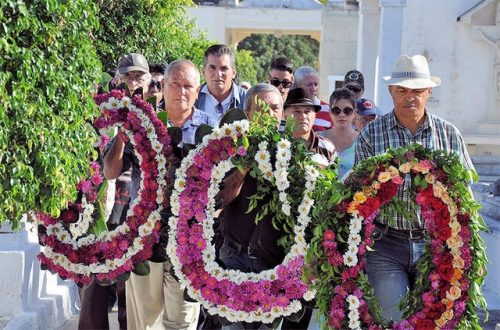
399,242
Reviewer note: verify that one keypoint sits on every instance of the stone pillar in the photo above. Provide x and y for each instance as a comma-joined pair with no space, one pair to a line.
31,298
368,39
389,48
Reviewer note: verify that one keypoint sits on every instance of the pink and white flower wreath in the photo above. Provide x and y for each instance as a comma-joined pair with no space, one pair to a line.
116,252
235,295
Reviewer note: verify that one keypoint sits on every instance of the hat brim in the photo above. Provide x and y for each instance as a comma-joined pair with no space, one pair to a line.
132,68
413,83
317,107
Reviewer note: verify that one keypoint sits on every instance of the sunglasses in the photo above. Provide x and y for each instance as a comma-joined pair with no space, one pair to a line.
347,111
277,82
354,89
155,83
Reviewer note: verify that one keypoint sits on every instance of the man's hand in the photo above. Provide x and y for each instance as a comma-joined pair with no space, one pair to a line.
231,187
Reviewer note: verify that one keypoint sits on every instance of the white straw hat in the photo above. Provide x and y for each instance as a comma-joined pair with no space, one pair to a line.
412,72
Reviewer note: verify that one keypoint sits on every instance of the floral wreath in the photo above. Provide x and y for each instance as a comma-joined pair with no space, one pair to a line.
232,294
110,255
452,267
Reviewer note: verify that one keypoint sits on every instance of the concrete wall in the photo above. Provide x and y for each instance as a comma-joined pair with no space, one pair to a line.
464,64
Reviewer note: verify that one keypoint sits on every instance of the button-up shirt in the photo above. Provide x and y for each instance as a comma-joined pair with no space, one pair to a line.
386,132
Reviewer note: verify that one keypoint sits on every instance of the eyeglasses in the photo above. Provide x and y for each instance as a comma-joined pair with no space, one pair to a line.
347,111
277,82
156,84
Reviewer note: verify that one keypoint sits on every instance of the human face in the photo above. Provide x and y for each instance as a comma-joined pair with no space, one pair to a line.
342,119
305,116
310,84
154,88
274,101
409,104
285,78
136,79
361,121
219,75
180,89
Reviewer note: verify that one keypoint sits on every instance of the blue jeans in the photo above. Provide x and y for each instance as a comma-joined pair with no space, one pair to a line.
391,269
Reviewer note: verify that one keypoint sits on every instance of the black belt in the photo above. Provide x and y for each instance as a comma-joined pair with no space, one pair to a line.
240,248
406,233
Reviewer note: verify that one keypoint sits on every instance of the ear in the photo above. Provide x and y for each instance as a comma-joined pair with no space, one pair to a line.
234,73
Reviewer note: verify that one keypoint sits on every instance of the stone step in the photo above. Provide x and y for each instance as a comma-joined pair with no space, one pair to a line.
487,166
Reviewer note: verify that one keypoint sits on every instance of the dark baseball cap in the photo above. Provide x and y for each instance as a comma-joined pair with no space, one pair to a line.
133,62
355,79
367,107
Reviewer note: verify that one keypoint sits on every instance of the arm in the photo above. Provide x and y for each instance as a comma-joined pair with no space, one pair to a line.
231,188
113,160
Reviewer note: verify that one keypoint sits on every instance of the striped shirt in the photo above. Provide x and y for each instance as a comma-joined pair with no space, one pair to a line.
386,132
323,120
323,149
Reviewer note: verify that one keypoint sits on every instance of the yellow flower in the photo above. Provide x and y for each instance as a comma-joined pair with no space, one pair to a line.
430,178
405,168
352,207
453,293
438,189
458,263
448,314
393,171
441,322
376,185
359,197
454,242
455,227
367,190
384,176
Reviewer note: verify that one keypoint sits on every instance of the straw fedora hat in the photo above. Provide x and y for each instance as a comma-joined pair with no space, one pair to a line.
412,72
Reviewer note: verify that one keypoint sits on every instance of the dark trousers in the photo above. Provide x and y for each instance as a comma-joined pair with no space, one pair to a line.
94,312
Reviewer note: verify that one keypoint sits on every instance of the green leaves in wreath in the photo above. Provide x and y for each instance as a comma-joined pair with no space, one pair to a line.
232,115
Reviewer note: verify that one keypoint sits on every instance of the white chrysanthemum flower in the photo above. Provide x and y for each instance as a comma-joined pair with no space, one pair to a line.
353,302
180,184
309,295
286,208
350,259
262,156
354,239
354,324
356,225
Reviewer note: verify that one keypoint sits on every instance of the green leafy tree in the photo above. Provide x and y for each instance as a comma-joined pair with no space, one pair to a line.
48,69
246,67
160,30
301,50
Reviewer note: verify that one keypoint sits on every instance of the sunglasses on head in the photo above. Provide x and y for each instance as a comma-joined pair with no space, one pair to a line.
347,110
354,89
277,82
155,83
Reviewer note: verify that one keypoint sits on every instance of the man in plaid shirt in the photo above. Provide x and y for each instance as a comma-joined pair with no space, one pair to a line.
399,242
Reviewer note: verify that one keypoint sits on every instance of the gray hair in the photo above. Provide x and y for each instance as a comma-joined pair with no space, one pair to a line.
173,66
302,72
258,89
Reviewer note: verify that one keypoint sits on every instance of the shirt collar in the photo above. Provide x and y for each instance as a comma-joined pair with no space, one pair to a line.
235,95
393,122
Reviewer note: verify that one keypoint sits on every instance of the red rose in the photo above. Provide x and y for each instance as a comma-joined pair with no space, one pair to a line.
436,310
445,271
444,233
425,324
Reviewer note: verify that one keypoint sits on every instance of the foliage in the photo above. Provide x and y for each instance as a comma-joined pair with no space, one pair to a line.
48,69
439,185
301,50
160,30
246,66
